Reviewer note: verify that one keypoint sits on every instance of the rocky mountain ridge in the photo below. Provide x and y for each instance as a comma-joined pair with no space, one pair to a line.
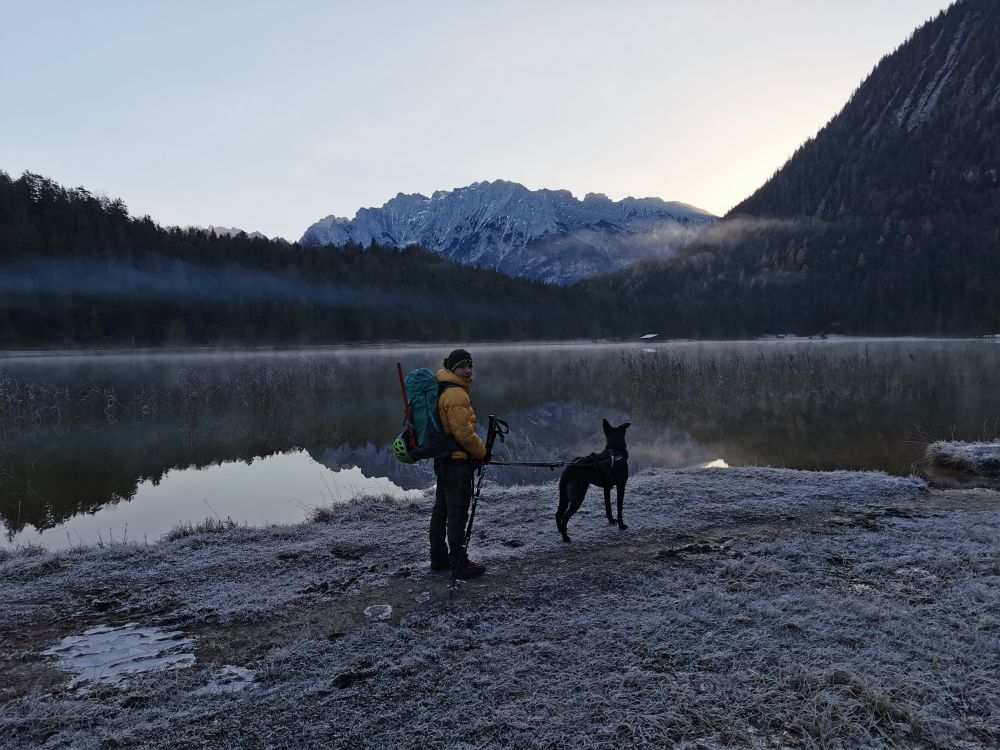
547,235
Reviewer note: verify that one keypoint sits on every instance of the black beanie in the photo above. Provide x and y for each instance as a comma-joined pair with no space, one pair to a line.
456,358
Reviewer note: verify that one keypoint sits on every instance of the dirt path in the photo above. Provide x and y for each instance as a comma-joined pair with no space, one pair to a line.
415,590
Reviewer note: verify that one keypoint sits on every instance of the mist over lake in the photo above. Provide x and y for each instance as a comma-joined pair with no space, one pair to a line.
102,448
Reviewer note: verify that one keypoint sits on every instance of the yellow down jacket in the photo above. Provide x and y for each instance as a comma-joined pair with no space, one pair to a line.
457,417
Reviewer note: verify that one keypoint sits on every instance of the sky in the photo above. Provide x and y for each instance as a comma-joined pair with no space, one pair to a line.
268,116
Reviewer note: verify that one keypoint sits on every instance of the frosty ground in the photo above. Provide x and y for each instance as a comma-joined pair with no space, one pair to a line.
977,461
742,608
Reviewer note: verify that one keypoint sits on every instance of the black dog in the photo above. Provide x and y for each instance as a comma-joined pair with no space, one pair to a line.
606,469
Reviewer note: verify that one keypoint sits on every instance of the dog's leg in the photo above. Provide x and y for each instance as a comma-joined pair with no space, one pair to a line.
607,505
576,495
563,506
621,500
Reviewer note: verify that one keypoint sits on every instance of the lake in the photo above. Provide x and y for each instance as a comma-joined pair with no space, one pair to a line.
104,448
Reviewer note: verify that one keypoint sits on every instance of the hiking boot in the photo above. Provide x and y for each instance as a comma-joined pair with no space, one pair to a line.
470,570
440,559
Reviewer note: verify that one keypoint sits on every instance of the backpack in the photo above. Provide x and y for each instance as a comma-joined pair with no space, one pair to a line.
423,436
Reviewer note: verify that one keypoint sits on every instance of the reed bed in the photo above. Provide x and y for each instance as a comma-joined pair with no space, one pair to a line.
929,392
185,390
797,378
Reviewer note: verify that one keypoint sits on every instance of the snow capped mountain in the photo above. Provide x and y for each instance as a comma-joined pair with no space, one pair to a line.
546,235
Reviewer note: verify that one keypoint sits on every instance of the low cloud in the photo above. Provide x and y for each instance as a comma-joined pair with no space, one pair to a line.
163,279
729,233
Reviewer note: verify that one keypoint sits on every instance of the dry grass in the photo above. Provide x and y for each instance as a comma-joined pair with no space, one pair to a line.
207,526
329,513
25,550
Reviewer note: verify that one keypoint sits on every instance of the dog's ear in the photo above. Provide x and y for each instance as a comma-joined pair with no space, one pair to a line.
607,425
624,426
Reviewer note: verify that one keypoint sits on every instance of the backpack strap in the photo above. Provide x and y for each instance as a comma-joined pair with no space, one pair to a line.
453,445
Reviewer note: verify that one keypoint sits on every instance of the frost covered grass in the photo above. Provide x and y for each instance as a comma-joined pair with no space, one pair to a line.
743,608
972,458
24,550
329,513
206,526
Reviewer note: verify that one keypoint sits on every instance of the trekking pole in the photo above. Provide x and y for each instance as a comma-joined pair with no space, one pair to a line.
497,428
460,559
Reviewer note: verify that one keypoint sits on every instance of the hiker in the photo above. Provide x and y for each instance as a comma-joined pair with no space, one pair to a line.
455,473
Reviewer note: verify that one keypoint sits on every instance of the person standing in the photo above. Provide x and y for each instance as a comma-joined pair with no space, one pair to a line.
455,472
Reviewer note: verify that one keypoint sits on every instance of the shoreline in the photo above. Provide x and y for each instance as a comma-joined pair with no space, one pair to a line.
375,346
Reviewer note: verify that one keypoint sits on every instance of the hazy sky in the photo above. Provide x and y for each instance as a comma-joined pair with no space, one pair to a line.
270,115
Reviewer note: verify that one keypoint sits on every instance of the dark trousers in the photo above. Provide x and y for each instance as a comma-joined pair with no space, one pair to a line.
451,509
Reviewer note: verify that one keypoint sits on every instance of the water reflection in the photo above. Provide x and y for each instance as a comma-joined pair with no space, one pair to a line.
277,489
87,440
556,431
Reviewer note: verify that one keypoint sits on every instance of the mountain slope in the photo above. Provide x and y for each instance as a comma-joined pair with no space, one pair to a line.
547,235
921,131
887,222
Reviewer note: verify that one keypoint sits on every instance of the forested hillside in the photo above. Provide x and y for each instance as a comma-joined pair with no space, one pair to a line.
77,270
887,222
920,137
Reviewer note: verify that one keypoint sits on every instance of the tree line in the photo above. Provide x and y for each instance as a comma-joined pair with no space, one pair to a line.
862,275
76,270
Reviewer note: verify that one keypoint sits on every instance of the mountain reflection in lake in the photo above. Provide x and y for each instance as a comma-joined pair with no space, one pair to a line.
262,437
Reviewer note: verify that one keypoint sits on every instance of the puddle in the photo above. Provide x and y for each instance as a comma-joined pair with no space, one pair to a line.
378,612
109,655
229,679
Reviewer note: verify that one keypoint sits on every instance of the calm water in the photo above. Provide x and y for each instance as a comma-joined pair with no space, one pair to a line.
125,447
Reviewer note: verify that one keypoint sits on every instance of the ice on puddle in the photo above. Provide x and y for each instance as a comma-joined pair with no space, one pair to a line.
108,655
378,612
229,679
